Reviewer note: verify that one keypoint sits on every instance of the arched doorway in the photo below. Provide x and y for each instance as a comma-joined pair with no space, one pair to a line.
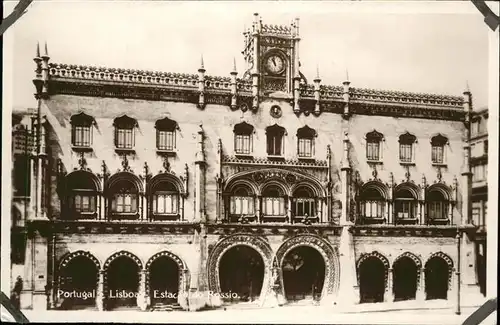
164,281
241,273
372,280
405,275
123,283
78,284
436,278
303,274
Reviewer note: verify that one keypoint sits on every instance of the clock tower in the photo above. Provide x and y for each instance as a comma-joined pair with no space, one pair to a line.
272,56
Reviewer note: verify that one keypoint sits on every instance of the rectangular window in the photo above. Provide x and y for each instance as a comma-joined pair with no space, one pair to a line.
478,173
305,147
406,209
242,205
125,203
304,206
476,213
165,140
21,175
82,136
243,145
485,147
84,203
437,154
124,138
372,209
165,204
405,152
373,150
273,206
274,143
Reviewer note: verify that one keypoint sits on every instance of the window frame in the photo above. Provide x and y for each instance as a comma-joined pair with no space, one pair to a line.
275,137
306,143
125,128
438,149
166,129
407,143
82,126
243,139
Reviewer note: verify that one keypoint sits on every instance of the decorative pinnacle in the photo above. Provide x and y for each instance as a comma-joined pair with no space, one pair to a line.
317,74
202,64
346,75
37,49
467,89
234,66
46,52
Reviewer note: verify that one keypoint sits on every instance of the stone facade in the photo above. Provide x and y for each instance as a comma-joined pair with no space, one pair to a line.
267,132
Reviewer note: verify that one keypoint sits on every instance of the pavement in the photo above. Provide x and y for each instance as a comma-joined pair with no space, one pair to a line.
407,312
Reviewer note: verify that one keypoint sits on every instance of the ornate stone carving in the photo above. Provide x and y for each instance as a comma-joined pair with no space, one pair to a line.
448,261
364,256
256,242
182,268
330,255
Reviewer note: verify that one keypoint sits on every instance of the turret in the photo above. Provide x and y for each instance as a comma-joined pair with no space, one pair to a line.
234,73
346,96
201,85
317,82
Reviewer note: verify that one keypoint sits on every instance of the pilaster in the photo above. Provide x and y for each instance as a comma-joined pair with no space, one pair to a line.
348,293
142,295
100,291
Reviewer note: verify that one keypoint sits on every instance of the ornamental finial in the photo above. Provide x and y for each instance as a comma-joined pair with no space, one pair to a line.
37,55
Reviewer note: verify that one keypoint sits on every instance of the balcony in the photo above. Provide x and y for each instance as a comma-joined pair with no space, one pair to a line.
371,220
407,221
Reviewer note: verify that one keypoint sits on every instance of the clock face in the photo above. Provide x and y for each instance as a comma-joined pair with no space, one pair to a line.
275,64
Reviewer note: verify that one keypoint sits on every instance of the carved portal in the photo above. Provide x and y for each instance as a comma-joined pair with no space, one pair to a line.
330,256
256,242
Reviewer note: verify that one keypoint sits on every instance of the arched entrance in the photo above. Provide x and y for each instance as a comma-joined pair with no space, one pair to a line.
405,277
436,278
372,280
303,274
78,283
123,282
164,281
241,274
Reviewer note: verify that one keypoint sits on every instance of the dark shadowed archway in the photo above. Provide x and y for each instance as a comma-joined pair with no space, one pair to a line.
241,271
437,272
303,274
405,278
372,273
78,283
122,280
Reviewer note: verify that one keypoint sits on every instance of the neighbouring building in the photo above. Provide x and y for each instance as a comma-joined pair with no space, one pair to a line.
156,190
479,197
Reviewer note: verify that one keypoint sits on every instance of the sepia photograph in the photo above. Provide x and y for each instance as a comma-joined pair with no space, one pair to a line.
281,161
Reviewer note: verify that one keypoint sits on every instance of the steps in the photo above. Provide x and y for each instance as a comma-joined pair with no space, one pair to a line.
166,307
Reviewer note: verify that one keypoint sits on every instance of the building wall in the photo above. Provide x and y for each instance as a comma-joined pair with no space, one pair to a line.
218,123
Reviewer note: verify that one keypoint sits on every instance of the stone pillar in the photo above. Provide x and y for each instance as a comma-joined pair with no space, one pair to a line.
348,293
289,209
257,210
386,214
142,295
421,285
345,177
390,286
100,291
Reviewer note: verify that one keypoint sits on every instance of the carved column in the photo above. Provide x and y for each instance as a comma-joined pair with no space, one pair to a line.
289,209
386,213
100,291
181,207
258,205
390,285
345,178
421,285
142,295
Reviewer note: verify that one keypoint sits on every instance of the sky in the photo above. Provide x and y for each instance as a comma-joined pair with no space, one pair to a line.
414,47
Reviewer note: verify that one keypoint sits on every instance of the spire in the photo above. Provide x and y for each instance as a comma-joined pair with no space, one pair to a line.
202,66
317,71
234,65
347,75
467,88
46,52
37,50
